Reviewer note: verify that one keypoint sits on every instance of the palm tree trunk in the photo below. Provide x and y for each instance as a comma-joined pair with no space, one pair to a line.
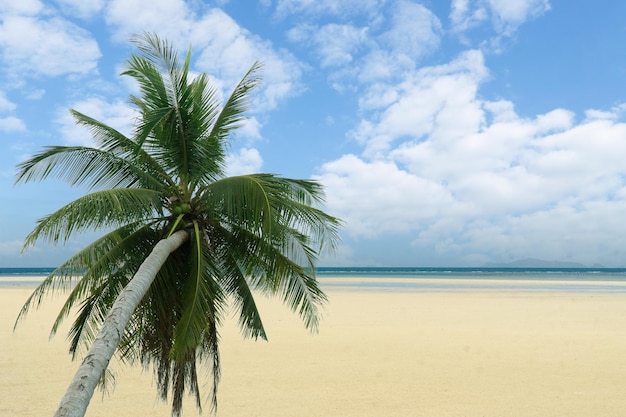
76,399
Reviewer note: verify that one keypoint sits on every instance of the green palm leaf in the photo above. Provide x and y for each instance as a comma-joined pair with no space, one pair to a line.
198,291
102,209
118,250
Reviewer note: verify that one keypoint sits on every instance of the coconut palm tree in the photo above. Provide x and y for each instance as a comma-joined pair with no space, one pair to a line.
181,242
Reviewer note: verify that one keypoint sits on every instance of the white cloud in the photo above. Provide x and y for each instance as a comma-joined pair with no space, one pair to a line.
26,7
343,256
46,46
434,100
463,17
12,124
587,234
9,123
387,42
414,31
5,104
250,129
505,15
335,43
246,161
471,179
377,198
510,14
171,19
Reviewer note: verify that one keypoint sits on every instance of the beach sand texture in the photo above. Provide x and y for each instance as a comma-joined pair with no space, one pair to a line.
378,353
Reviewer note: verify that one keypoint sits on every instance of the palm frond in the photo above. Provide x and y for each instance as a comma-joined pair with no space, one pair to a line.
219,125
291,201
207,156
301,292
210,349
151,82
271,205
88,266
270,269
59,279
242,200
236,284
93,311
114,254
233,112
113,142
166,103
201,297
78,165
101,209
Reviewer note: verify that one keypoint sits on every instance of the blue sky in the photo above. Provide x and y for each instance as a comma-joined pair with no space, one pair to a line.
445,132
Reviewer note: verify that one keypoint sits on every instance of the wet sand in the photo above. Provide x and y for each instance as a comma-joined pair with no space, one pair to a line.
380,352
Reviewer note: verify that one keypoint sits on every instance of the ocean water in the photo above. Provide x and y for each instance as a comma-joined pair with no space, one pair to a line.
596,280
601,280
14,272
549,274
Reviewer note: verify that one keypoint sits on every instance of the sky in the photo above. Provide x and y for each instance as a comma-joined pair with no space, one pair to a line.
445,133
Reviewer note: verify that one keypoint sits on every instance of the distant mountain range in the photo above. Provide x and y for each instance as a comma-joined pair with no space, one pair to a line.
538,263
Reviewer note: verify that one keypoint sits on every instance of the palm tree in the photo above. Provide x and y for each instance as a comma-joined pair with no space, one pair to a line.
182,241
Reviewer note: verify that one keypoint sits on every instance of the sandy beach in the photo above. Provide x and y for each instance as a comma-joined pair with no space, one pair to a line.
379,352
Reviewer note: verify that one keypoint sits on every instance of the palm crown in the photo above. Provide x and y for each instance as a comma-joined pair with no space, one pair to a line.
246,233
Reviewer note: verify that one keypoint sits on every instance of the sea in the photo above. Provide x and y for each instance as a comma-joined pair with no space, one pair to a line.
600,280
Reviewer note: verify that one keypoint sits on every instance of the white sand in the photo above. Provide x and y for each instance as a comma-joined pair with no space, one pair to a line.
378,353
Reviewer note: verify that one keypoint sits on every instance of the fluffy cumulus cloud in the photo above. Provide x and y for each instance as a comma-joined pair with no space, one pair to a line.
378,197
245,161
35,41
434,100
471,179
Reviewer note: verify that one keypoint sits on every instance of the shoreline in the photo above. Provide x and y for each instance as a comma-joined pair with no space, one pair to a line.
428,283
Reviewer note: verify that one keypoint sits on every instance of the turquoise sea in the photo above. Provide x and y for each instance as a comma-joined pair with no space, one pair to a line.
601,280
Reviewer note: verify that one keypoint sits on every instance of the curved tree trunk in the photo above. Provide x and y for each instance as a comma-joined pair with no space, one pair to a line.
76,399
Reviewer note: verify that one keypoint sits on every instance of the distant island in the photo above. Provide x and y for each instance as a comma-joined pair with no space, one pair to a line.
538,263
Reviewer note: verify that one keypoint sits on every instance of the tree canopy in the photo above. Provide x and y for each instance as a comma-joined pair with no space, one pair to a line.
247,234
